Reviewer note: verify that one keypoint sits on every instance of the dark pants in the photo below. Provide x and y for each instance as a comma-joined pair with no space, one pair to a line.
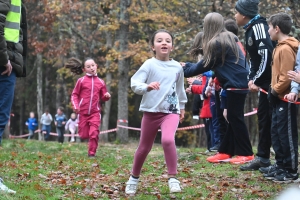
208,129
215,134
60,131
284,135
197,104
7,87
236,140
222,121
264,115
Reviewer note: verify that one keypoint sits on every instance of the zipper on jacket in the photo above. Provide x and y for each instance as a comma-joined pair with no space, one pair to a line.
92,92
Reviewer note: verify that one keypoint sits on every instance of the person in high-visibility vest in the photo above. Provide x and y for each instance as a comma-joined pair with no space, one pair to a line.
13,48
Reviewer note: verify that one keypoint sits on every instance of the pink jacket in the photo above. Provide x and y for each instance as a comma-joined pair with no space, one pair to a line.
88,91
71,124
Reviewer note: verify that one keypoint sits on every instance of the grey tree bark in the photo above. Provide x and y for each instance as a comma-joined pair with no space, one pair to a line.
39,65
107,105
123,69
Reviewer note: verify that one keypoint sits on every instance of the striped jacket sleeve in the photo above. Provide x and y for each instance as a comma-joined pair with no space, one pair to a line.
263,44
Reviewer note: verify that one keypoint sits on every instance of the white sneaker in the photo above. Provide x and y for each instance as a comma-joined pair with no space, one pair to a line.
131,185
174,185
72,140
4,188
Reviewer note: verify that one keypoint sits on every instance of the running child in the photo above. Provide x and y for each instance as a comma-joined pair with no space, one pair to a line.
60,122
31,123
161,82
71,126
86,96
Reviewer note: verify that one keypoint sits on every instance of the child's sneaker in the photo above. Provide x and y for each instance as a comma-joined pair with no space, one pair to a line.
283,176
174,185
4,188
131,185
72,140
241,159
219,157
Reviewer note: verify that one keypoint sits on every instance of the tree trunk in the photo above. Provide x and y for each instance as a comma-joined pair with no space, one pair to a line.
38,63
47,89
107,105
58,91
123,69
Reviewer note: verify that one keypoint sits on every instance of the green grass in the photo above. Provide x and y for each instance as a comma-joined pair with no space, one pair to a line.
48,170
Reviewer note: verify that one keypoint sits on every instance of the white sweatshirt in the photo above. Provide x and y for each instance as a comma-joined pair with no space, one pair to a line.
171,96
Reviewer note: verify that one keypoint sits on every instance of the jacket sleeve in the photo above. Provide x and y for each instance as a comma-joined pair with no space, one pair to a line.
264,48
181,91
75,94
194,69
138,80
4,8
198,89
67,124
102,92
295,85
287,62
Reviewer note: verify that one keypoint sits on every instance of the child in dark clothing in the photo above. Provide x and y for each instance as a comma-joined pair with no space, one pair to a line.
222,55
259,47
60,121
284,131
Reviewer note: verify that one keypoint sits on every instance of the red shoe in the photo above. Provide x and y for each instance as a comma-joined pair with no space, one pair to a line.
241,159
219,157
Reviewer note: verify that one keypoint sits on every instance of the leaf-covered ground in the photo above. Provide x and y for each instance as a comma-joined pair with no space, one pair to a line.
48,170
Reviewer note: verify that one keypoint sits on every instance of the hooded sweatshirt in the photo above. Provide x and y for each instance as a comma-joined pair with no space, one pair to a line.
284,58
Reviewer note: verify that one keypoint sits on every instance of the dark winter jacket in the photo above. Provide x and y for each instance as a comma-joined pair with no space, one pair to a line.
15,52
259,47
230,74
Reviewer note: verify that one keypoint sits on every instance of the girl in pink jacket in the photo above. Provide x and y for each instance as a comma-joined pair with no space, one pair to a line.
86,96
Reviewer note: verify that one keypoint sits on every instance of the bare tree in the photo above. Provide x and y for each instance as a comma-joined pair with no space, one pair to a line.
123,69
39,65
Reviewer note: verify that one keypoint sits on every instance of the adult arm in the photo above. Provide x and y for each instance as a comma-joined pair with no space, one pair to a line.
4,8
294,84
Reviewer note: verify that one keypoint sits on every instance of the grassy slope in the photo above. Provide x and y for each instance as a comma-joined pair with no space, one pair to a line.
40,170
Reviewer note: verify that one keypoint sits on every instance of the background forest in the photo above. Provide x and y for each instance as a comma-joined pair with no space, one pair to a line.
115,33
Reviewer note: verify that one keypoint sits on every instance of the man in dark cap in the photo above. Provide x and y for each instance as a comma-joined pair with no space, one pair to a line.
259,47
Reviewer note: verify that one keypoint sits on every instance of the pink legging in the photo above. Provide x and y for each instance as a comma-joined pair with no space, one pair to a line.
151,122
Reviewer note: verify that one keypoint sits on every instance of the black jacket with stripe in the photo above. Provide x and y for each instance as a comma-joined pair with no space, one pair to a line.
260,47
15,52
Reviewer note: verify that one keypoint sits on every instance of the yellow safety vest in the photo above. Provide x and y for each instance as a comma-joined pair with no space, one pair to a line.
12,24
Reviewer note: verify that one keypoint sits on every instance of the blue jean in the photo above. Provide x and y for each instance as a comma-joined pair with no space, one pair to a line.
46,128
7,87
